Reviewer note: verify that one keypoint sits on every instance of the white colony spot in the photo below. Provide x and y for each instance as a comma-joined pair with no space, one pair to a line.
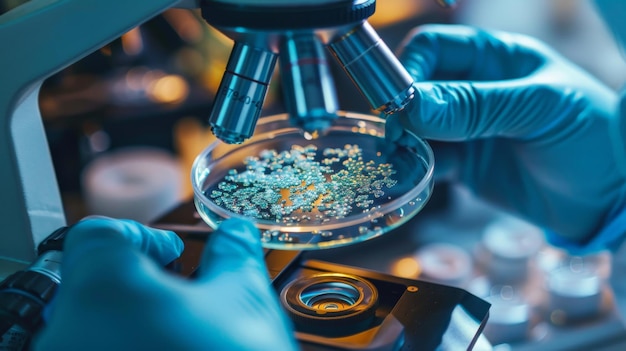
266,236
286,237
293,186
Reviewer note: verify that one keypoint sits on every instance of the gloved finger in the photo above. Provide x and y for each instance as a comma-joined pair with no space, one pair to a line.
235,247
446,154
455,52
460,111
618,133
407,156
97,234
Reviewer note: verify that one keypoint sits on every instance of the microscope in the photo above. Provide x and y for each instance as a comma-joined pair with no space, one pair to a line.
262,30
40,38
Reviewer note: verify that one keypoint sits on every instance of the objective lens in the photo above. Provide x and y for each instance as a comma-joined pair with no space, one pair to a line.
330,303
309,90
237,105
374,69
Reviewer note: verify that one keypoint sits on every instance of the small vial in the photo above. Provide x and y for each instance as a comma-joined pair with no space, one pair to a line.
509,244
509,316
574,294
445,263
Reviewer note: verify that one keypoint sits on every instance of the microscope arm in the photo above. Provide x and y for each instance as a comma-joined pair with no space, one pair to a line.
39,38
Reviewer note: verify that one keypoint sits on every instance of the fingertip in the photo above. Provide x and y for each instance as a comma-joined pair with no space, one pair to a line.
167,247
419,116
162,245
440,111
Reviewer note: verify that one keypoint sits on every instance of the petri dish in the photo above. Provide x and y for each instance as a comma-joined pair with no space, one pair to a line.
309,192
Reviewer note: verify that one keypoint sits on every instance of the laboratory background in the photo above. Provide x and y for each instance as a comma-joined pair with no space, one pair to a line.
125,123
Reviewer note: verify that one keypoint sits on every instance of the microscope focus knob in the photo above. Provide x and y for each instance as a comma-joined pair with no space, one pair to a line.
23,295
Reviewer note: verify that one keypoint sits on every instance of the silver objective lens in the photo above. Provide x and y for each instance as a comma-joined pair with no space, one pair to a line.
375,70
241,93
308,87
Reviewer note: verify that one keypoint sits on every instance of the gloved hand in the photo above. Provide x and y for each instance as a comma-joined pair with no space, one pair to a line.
524,129
115,295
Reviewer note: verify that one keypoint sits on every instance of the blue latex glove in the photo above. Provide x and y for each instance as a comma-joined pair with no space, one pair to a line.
525,129
116,296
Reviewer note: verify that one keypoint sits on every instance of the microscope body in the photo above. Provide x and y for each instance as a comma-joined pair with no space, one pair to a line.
41,37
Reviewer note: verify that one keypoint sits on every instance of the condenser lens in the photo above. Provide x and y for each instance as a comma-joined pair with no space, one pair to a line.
331,304
330,296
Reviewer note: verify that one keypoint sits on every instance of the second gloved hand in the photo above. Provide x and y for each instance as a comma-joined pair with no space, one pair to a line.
523,128
115,295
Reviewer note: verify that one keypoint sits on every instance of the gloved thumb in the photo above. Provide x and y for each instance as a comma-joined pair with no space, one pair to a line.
234,248
460,111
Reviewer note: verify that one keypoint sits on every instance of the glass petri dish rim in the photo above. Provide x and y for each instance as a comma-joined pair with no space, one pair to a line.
354,219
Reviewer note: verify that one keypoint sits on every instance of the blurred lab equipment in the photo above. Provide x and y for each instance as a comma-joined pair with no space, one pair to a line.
541,297
133,183
581,30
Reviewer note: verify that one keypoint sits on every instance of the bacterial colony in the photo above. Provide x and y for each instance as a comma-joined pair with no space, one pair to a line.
304,185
